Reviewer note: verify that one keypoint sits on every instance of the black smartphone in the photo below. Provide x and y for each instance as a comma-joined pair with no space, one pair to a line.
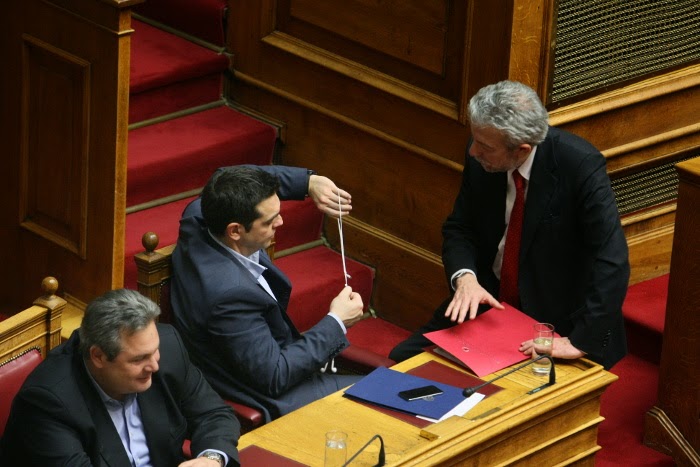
420,393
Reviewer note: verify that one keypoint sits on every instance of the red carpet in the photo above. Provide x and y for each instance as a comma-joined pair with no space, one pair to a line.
378,335
302,224
159,58
644,310
169,73
201,18
317,277
623,405
645,303
181,154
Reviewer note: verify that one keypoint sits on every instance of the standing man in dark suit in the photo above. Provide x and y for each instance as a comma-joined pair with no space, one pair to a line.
572,266
121,392
229,299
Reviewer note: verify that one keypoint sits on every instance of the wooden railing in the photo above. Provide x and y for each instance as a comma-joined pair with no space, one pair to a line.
36,326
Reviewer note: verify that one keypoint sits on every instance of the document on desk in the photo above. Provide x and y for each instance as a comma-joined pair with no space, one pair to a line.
460,409
489,342
382,387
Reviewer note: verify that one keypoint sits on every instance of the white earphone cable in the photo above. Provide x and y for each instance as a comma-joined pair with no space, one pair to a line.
346,276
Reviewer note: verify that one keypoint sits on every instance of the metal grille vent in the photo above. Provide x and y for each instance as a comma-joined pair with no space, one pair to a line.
603,42
648,188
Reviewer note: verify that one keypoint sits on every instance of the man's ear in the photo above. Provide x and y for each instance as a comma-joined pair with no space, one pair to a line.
524,150
234,231
97,356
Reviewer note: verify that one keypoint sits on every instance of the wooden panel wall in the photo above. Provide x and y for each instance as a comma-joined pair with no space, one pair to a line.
374,96
637,126
65,100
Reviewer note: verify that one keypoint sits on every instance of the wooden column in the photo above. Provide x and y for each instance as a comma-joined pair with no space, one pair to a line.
673,425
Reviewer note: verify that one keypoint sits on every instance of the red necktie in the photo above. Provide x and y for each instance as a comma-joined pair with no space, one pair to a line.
511,251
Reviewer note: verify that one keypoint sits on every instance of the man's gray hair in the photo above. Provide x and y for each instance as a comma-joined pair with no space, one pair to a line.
108,316
512,108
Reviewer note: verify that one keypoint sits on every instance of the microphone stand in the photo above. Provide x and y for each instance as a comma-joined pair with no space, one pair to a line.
381,460
552,377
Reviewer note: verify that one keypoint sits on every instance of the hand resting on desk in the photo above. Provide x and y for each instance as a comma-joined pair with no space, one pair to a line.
561,348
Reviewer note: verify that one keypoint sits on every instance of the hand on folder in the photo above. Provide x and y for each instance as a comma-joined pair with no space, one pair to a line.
488,343
469,294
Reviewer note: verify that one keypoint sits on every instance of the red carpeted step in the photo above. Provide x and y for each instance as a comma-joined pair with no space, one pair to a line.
645,303
302,224
181,154
200,18
644,310
623,405
179,73
377,335
317,277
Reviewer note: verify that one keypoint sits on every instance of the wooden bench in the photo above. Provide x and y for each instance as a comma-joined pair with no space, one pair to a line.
37,326
25,339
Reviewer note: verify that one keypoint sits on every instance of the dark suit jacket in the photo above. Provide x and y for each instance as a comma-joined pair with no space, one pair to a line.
58,417
242,338
574,266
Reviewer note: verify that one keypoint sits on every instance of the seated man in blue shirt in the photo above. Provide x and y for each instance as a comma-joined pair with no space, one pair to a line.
120,392
230,301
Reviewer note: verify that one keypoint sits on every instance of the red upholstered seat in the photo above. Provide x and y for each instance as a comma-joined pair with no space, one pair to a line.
13,372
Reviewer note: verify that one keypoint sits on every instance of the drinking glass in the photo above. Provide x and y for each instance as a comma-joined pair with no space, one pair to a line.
543,338
336,448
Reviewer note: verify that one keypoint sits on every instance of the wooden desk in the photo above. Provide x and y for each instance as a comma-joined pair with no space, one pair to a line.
558,425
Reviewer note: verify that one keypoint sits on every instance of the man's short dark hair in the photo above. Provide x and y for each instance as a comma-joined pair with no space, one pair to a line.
232,195
108,316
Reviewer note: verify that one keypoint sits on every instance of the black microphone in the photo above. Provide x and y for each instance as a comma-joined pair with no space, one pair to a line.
381,459
552,378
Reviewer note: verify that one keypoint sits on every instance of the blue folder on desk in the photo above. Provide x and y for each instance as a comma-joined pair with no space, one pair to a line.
382,387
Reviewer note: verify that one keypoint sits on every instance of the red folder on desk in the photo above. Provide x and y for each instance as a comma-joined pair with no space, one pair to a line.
489,342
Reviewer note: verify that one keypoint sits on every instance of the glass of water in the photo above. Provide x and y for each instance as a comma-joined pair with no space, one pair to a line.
336,448
543,338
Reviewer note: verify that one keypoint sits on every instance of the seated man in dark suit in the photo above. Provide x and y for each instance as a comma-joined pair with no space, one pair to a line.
229,300
569,264
120,392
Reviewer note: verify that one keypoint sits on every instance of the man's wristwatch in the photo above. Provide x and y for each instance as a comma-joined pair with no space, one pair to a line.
215,456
